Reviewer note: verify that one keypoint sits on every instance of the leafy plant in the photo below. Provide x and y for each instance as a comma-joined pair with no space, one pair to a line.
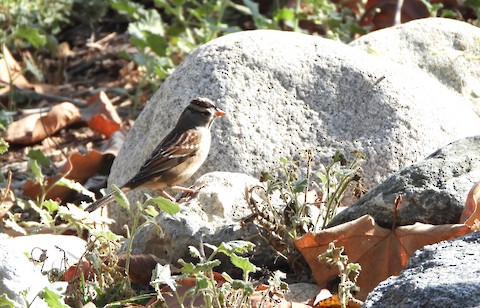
231,293
4,121
49,212
143,211
284,205
349,273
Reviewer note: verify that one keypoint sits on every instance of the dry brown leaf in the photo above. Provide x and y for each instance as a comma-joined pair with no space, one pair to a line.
141,267
381,252
11,71
101,115
471,210
36,127
79,168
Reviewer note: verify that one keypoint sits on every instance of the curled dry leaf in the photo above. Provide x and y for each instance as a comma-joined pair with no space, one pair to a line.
11,71
101,115
380,252
472,210
36,127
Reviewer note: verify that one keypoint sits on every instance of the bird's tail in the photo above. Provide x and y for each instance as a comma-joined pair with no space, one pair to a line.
100,202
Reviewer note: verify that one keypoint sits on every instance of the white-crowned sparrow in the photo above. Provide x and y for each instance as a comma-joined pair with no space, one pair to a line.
179,154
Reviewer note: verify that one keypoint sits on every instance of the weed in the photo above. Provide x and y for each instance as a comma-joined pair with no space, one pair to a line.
349,273
285,206
208,286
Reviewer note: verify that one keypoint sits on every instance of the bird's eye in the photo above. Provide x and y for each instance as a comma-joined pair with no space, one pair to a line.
206,114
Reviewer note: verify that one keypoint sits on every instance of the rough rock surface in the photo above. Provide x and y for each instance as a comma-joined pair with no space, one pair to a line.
212,216
442,47
286,91
19,274
434,190
446,274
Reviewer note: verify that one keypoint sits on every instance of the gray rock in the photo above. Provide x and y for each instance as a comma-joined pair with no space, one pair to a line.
434,190
286,91
445,48
301,292
212,216
18,274
446,274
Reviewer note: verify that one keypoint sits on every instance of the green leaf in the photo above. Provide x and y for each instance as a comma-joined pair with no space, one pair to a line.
300,186
212,247
162,275
235,247
203,282
36,170
128,8
30,34
194,252
245,286
121,198
45,217
151,211
39,157
5,301
75,186
193,269
52,299
227,277
157,43
3,146
165,205
244,264
11,223
286,14
51,205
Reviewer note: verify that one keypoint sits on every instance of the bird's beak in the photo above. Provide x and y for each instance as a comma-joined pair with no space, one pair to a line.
219,112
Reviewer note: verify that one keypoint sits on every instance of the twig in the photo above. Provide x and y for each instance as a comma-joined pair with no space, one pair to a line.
7,188
398,13
49,97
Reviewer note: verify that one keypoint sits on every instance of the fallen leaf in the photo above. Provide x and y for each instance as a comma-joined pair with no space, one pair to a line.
141,267
471,210
79,167
380,14
11,71
101,115
36,127
75,271
380,252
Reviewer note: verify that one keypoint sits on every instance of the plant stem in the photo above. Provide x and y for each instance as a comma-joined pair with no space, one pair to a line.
297,12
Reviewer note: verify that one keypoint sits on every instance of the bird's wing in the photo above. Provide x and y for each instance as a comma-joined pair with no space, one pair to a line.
172,151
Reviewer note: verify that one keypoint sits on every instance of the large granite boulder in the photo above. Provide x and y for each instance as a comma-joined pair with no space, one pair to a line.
286,91
444,48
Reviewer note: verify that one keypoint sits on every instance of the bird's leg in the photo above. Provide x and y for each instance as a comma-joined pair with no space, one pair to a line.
166,195
186,192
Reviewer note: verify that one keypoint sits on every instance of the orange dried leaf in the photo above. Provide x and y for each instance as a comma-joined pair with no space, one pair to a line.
471,210
101,115
100,123
36,127
380,252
